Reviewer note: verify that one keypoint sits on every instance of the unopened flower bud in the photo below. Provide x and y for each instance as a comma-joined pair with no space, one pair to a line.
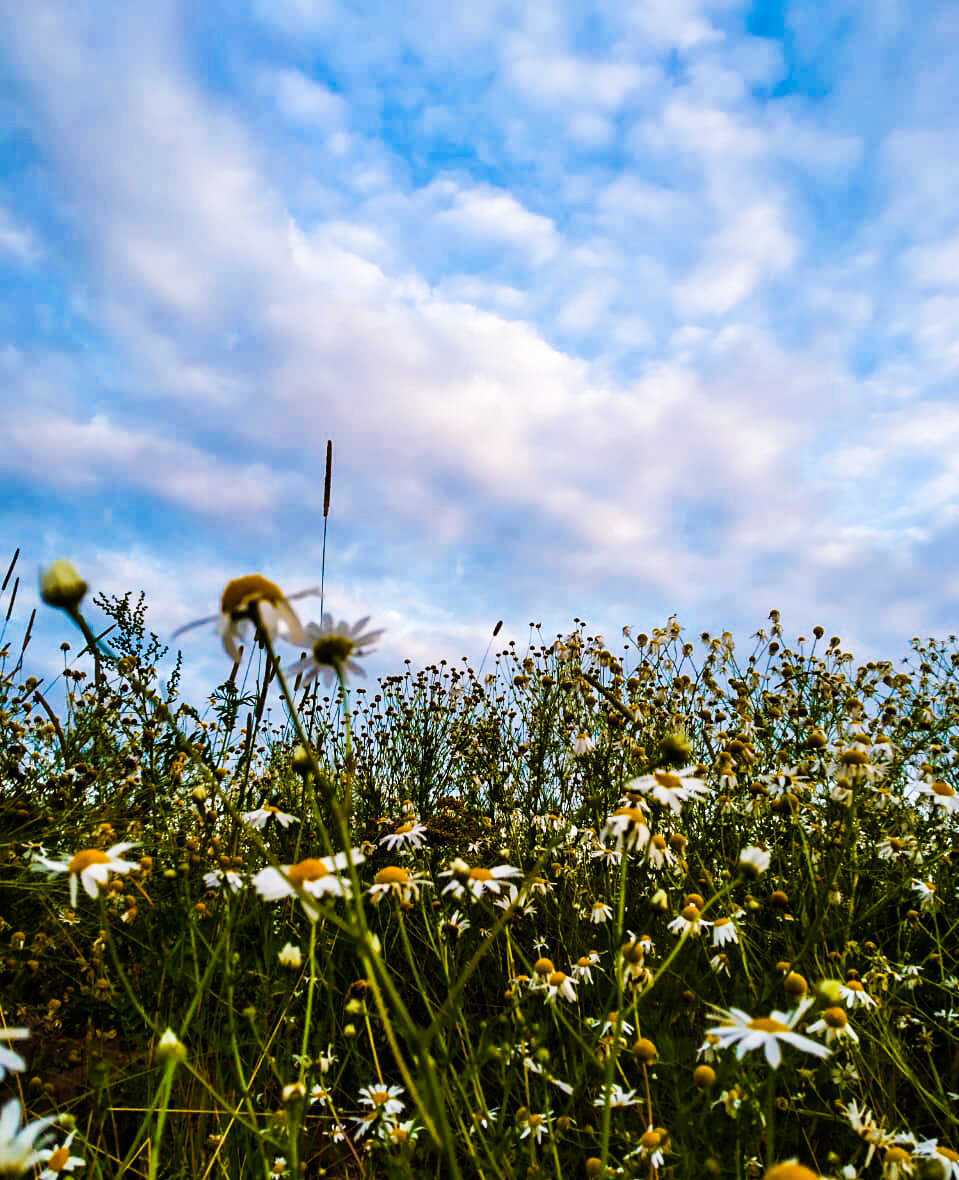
62,586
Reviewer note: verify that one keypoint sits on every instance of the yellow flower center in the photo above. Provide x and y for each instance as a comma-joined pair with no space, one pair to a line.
242,594
536,1120
59,1159
896,1155
659,842
854,985
481,875
835,1017
391,875
691,913
633,814
790,1172
853,758
942,789
651,1139
670,781
544,967
556,979
947,1154
583,961
85,858
379,1097
404,828
768,1025
311,869
332,651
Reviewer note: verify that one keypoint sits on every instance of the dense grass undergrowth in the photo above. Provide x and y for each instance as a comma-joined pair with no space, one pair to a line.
653,908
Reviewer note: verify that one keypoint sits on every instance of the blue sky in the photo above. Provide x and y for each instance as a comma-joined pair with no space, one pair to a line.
611,310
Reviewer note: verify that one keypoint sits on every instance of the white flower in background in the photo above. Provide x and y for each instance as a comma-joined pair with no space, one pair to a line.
334,650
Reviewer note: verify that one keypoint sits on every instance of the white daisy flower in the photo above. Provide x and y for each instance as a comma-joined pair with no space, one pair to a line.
334,649
90,866
18,1150
670,788
765,1032
410,833
316,875
477,880
626,827
266,814
583,744
58,1160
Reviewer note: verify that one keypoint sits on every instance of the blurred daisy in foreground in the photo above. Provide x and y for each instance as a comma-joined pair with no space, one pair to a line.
18,1153
253,602
334,648
765,1032
945,1157
91,866
9,1059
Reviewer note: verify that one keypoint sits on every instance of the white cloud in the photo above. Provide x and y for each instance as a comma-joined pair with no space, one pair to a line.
17,240
487,213
753,246
304,100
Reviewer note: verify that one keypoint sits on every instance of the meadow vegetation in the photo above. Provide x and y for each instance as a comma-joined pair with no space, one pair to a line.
655,907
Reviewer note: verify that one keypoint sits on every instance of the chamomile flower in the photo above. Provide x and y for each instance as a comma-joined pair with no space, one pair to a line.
268,814
670,788
225,877
559,985
834,1024
599,912
724,931
690,921
253,602
533,1125
90,867
583,968
764,1032
18,1150
617,1096
58,1160
658,852
945,1157
940,794
9,1059
410,834
626,827
854,995
384,1103
316,875
396,881
334,649
583,744
754,861
477,880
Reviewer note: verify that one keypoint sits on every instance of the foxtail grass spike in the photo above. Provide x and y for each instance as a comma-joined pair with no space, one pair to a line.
10,570
13,599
